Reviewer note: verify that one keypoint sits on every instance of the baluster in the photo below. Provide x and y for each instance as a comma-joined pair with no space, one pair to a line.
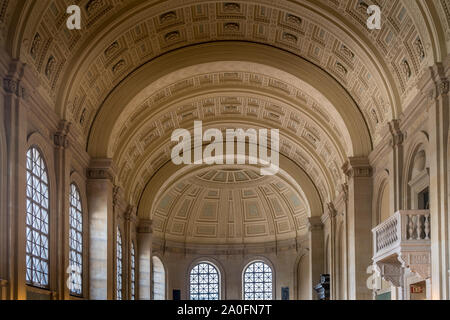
427,226
410,227
419,227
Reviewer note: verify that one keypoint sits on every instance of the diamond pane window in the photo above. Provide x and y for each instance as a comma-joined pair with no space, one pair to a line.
204,282
133,273
75,242
119,265
258,282
37,222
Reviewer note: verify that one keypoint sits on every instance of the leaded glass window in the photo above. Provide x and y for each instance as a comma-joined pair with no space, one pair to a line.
37,223
204,282
133,273
119,267
258,282
75,241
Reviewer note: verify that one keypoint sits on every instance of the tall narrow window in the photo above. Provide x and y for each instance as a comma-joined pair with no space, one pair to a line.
258,282
204,282
158,279
75,242
37,230
133,272
119,265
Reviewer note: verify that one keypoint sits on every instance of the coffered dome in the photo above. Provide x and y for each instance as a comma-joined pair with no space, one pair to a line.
229,206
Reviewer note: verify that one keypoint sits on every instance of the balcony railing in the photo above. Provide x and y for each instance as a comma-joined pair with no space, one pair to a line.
404,228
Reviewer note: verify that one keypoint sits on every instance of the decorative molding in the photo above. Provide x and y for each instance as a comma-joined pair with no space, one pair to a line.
101,169
418,262
392,271
295,245
357,167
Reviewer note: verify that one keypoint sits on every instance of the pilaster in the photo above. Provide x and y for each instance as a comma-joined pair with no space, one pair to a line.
144,257
359,222
436,87
101,233
14,95
316,247
62,170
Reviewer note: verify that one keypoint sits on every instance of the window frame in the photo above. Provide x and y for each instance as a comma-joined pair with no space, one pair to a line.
119,275
42,157
244,271
133,272
83,237
219,279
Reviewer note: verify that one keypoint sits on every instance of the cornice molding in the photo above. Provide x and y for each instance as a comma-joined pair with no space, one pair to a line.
101,169
145,226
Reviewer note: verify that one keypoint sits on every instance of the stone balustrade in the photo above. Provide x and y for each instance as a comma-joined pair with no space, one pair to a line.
403,241
411,225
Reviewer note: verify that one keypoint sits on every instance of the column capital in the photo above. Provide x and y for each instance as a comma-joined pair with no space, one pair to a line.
60,138
100,169
315,224
130,214
145,226
13,86
357,167
397,136
17,75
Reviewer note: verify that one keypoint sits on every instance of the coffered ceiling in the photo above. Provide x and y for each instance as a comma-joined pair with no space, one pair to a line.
137,70
229,206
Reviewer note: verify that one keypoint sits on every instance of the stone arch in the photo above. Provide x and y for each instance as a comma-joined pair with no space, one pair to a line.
296,176
137,83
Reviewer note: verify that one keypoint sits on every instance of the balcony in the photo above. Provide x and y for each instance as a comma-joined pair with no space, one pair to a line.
403,242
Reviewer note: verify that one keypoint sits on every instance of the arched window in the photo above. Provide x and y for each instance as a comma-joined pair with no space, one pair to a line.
204,282
119,267
75,241
37,248
159,279
258,282
133,272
